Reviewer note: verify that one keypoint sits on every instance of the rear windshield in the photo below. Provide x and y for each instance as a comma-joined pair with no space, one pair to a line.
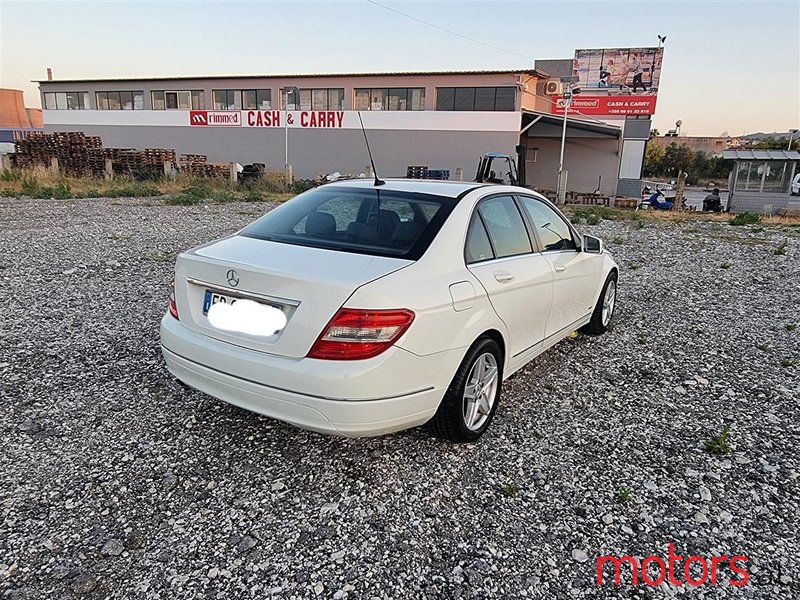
365,221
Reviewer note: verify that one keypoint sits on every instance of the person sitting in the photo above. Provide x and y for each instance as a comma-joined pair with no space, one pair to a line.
712,202
493,178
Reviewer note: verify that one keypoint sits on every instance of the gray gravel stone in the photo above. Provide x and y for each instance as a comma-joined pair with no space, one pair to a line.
113,547
579,556
100,444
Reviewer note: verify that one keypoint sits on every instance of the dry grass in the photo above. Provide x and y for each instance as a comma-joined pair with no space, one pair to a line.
673,216
41,182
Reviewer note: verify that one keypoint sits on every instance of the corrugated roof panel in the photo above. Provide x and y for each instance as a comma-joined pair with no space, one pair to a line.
761,154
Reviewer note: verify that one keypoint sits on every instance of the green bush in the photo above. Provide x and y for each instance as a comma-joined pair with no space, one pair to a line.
745,219
59,191
595,214
223,196
720,444
30,186
253,196
201,191
11,175
9,193
301,185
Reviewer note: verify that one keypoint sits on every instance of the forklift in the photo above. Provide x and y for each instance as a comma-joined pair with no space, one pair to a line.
516,176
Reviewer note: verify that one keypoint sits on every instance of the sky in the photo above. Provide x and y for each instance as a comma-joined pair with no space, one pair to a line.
729,66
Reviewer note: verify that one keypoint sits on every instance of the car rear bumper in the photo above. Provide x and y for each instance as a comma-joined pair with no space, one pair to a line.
261,385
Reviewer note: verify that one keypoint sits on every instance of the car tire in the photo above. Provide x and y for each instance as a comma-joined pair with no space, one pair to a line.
463,416
604,310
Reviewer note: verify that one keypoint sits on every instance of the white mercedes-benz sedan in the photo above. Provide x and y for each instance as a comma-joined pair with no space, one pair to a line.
357,310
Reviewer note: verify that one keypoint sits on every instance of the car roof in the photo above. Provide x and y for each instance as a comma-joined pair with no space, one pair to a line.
451,189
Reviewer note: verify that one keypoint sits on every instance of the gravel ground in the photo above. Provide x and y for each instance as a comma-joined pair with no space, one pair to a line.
116,483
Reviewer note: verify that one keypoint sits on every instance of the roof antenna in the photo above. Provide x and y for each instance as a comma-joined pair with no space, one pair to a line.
378,181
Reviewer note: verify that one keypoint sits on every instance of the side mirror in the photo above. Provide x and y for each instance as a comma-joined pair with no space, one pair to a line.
592,245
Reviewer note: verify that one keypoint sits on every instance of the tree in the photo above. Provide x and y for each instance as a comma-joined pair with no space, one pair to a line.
699,167
773,143
654,133
677,159
653,158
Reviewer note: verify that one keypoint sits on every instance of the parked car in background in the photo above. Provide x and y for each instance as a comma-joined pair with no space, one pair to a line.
357,309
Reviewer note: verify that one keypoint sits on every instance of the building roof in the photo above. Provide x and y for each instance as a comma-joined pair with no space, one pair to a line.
761,154
13,114
534,72
572,122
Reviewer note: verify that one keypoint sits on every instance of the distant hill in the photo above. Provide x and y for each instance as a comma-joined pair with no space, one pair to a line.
757,137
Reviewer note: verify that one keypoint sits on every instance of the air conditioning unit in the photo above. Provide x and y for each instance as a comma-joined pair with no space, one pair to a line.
553,87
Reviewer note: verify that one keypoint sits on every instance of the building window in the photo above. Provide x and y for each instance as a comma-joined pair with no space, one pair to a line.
227,99
120,100
257,99
242,99
66,101
476,98
317,99
390,99
179,100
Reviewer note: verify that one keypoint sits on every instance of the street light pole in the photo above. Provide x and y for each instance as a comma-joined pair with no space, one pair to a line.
286,90
567,82
560,183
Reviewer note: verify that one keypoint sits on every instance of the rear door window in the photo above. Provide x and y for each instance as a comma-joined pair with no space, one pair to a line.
478,246
505,226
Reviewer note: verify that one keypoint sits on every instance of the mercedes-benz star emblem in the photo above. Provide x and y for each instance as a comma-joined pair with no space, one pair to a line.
233,278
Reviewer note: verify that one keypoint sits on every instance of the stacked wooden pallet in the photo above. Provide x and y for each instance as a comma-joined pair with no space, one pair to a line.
443,174
80,155
626,202
197,165
425,172
416,172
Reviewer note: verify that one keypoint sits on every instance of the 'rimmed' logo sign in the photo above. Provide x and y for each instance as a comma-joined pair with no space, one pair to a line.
215,118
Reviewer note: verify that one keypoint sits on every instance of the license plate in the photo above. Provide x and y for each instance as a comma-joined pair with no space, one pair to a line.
212,298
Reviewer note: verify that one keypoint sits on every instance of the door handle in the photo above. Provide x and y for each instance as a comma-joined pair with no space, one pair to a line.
503,276
560,268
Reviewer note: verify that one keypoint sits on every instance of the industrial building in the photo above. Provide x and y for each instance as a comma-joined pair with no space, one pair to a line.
713,146
443,120
15,118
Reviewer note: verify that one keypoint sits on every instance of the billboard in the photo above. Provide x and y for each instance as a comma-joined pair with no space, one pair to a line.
606,105
615,81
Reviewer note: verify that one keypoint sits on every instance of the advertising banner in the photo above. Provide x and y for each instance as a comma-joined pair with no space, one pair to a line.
615,81
606,105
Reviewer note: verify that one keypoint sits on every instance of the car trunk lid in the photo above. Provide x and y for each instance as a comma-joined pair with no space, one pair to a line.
308,284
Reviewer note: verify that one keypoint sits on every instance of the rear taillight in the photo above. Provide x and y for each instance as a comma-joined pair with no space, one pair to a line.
173,307
358,333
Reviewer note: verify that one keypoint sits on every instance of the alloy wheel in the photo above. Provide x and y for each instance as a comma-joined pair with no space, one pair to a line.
480,391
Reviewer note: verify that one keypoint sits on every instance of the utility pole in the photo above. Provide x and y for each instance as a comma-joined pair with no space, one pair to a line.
561,185
677,204
286,168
